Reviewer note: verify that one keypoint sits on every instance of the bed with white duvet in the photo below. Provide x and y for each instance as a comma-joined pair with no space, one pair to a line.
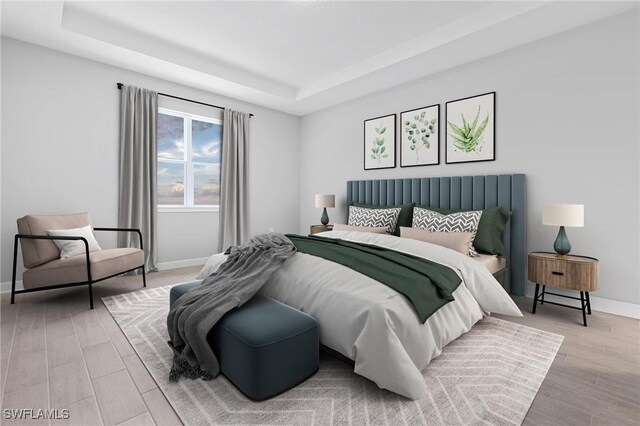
374,325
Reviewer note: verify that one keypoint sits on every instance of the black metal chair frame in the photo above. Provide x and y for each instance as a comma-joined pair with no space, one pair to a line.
90,281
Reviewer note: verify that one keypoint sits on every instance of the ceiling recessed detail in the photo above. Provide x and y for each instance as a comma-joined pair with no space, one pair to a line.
297,57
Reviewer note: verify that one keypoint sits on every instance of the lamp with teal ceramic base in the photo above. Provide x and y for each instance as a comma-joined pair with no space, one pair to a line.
563,215
562,245
322,202
325,217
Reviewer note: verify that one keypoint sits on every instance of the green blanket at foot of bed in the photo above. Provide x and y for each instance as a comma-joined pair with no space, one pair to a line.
428,285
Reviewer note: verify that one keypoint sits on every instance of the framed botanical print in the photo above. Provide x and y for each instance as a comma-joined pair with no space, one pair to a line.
471,130
380,142
420,136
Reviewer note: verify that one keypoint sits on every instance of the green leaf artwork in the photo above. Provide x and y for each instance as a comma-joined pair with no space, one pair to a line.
469,137
418,130
378,147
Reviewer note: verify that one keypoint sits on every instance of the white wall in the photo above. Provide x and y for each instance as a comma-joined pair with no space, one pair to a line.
567,116
60,151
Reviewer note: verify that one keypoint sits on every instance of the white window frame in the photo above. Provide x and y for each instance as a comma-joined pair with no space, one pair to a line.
187,206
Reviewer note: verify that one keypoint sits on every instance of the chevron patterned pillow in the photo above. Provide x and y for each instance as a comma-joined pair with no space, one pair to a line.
454,222
377,218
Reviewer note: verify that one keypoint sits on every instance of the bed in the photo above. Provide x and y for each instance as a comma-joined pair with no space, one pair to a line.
373,325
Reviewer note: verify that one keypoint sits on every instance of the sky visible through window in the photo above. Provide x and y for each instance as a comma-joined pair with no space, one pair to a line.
206,139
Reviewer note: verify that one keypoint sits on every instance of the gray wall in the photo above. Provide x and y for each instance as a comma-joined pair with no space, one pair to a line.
567,116
60,151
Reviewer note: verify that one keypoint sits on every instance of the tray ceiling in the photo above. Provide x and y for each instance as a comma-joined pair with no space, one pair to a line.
294,56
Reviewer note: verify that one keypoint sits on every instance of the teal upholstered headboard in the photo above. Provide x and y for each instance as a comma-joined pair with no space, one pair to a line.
460,192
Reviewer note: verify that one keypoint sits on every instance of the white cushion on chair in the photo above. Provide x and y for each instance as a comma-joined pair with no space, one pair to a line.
70,248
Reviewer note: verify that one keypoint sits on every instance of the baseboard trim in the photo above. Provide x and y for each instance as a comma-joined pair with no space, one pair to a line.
163,266
5,287
600,304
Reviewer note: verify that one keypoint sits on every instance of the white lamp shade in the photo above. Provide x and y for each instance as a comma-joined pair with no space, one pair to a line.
563,215
325,200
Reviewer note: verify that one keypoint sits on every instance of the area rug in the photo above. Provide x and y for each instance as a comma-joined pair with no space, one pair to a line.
490,375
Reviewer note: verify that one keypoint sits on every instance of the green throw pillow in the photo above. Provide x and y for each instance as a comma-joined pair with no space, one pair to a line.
489,236
404,218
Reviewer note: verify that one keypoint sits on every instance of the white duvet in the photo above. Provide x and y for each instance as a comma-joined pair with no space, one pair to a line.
373,324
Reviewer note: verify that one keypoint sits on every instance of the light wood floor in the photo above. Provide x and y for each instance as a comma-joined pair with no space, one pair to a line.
595,377
57,353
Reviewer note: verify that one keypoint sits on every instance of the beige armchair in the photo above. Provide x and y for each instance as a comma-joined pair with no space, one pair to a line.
45,270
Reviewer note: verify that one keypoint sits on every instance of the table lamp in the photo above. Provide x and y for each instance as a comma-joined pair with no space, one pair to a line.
323,201
563,215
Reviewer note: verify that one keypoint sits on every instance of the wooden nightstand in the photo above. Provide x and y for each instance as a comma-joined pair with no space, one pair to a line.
320,228
579,273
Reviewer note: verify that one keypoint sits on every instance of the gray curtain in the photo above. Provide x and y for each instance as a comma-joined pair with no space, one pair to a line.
137,198
234,180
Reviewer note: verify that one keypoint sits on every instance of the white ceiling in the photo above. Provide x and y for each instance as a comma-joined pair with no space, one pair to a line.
295,56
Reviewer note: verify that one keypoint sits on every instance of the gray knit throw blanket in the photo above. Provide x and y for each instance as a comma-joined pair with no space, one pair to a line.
247,268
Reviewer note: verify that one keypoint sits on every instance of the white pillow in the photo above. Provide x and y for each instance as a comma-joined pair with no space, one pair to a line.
466,221
69,248
374,218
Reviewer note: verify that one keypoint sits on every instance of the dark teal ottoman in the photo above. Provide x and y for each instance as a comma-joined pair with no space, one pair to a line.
180,289
264,347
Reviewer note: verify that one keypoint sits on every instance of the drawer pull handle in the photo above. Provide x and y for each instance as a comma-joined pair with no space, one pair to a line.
557,273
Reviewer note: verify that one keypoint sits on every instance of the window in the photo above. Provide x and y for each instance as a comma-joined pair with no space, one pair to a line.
189,149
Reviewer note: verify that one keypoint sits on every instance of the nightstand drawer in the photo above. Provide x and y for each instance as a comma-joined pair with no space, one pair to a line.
564,272
550,272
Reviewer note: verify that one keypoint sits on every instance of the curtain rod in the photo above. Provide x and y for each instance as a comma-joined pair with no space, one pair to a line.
184,99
